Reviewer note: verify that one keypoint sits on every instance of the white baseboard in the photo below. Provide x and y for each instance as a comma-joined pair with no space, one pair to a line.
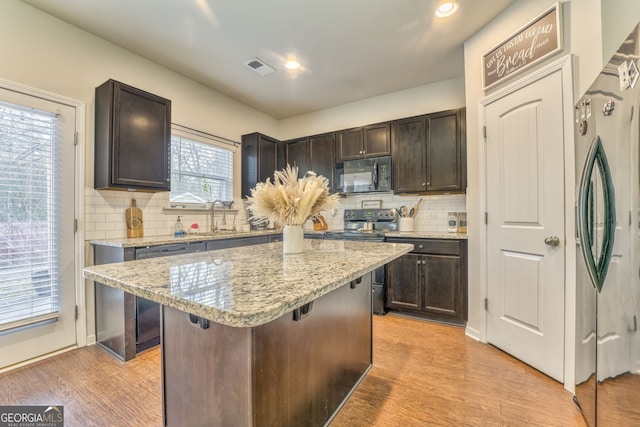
91,339
472,333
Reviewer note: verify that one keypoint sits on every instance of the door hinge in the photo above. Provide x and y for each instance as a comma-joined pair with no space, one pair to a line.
484,132
75,138
76,312
486,304
75,225
486,218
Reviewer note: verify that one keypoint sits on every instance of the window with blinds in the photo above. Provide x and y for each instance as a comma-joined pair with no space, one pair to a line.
200,171
28,265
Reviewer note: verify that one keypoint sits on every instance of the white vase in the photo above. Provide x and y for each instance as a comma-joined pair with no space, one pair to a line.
292,239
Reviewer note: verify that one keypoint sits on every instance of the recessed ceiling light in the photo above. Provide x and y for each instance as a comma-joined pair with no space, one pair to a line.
292,65
447,9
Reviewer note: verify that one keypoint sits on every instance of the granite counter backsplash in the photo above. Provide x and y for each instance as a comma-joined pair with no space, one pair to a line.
188,238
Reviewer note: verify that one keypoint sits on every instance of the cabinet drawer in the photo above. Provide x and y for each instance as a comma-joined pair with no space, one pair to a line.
168,250
431,246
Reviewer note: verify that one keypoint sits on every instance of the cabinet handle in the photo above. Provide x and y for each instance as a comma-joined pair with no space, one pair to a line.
355,283
197,320
302,312
420,246
424,262
418,262
428,183
424,184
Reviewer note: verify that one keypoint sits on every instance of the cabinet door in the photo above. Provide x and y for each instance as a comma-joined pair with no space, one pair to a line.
349,144
445,167
132,138
442,285
377,140
296,154
303,368
322,157
404,284
259,160
267,157
408,151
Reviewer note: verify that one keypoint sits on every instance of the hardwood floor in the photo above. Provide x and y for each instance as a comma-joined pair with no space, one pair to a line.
423,374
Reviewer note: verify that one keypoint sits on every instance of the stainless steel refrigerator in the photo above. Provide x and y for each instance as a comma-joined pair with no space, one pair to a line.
607,120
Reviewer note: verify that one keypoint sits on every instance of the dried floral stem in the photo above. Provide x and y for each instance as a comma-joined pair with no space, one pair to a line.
289,200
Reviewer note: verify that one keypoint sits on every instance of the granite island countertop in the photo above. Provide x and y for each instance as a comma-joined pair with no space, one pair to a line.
247,286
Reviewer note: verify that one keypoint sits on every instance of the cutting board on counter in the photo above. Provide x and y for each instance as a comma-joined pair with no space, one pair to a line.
134,220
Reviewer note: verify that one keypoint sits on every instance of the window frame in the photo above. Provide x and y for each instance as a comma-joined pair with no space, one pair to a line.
201,137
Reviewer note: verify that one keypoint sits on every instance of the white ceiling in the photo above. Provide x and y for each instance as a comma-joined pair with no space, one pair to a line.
350,49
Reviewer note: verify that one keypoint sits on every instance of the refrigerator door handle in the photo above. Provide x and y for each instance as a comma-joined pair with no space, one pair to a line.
597,268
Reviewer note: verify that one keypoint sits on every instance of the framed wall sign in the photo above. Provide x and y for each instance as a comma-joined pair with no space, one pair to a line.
371,204
537,40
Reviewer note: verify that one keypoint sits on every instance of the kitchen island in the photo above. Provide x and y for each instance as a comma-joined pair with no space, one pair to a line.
253,337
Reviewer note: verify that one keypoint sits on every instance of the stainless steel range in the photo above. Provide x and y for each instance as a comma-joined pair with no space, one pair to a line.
368,224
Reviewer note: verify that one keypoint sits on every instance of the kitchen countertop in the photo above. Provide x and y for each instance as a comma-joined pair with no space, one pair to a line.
199,237
235,287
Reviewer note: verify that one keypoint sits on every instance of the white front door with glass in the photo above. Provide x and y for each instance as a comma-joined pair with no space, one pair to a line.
37,199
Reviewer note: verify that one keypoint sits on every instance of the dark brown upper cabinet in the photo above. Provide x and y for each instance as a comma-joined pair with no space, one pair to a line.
429,153
259,160
368,141
446,149
132,139
314,153
296,153
409,154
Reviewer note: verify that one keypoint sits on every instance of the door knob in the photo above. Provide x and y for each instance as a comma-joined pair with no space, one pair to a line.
552,241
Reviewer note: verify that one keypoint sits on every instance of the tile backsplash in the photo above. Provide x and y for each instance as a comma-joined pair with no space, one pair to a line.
431,217
105,212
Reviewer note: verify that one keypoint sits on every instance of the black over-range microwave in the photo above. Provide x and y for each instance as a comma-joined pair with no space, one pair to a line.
364,175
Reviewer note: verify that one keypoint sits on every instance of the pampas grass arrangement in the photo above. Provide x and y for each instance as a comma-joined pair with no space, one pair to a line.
289,200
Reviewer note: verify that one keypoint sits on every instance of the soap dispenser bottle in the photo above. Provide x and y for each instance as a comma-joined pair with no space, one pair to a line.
178,229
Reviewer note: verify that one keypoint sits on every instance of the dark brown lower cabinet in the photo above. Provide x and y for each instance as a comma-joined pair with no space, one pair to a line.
431,281
294,371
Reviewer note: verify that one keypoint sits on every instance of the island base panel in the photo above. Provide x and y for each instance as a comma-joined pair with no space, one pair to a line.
286,372
115,321
205,372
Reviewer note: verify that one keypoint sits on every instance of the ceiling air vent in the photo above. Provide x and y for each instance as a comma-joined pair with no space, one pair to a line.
259,67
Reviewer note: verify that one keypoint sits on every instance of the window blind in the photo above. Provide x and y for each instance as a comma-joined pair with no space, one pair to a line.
200,171
28,264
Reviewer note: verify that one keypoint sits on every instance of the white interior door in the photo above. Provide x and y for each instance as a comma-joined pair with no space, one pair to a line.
525,205
37,195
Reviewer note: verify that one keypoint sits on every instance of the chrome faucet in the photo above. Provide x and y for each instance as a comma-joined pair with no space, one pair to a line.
213,215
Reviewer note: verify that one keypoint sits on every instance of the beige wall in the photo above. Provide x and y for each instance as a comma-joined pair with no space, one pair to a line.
45,53
619,17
